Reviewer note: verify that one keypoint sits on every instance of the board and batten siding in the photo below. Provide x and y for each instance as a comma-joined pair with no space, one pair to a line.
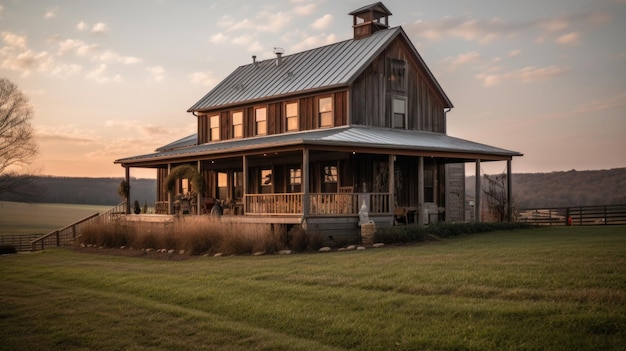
308,110
371,98
455,194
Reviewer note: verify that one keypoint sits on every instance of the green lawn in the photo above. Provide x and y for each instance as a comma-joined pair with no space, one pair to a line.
25,218
550,289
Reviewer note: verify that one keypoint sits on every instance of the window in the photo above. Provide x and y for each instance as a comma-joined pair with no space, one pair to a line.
295,180
222,185
237,125
214,127
266,181
329,180
399,113
238,186
260,117
396,75
326,112
291,110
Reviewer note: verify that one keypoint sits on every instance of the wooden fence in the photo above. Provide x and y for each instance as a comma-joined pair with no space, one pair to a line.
575,215
67,235
21,242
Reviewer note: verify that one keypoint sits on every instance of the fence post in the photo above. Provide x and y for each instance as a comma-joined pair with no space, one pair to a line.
580,216
605,216
58,238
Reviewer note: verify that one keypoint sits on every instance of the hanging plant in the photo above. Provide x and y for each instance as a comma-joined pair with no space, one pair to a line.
185,172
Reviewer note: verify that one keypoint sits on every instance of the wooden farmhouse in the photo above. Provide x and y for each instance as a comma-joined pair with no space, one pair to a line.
310,138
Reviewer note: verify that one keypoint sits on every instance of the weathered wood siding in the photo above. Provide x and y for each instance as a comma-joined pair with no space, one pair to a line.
308,109
371,96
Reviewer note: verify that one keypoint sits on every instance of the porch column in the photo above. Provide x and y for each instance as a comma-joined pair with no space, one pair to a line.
199,196
170,205
127,178
478,191
244,165
305,186
509,192
420,191
392,185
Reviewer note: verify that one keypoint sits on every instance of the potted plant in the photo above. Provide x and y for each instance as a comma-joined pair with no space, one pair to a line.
136,207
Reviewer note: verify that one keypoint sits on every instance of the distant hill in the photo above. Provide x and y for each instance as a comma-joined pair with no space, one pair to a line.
92,191
563,189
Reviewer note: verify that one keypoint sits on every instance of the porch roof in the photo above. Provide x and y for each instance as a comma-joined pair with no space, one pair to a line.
348,138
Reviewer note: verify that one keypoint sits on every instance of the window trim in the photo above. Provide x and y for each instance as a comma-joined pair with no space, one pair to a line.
296,116
393,113
319,111
212,127
256,120
234,126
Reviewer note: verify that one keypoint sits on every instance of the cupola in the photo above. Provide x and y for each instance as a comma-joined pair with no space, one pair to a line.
370,19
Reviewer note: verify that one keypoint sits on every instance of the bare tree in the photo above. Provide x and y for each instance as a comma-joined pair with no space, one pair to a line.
17,142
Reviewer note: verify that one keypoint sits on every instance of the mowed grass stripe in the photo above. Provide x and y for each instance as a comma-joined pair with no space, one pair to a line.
540,289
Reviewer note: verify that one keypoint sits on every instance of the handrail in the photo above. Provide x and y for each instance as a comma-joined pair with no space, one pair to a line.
69,233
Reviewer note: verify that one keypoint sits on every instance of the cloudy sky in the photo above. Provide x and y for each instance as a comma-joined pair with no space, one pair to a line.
110,79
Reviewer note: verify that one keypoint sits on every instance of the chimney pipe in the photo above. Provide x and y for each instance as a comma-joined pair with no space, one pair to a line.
256,64
279,55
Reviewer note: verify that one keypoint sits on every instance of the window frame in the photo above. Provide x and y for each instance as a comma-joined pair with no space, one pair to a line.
236,128
296,116
330,112
214,128
256,121
405,121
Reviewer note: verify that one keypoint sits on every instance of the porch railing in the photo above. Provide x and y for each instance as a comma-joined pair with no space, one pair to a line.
319,203
162,207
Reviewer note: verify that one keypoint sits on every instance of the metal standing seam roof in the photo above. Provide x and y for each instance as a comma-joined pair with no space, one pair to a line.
356,136
324,67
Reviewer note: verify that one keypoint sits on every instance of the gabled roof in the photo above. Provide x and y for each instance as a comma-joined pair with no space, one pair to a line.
378,6
325,67
401,141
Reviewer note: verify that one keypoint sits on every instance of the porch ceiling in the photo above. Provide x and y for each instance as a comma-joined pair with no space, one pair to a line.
345,138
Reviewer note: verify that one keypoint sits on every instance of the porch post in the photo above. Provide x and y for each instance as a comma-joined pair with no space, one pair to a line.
478,190
199,196
509,192
420,191
305,186
127,177
392,185
170,205
244,165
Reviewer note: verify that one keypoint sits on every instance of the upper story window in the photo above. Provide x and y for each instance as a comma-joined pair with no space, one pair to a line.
398,113
237,125
396,75
291,113
214,127
326,112
260,118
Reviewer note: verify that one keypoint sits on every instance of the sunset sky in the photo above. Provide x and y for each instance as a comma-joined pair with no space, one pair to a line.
110,79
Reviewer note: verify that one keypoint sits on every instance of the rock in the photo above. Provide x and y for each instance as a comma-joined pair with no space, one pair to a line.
284,252
171,251
181,252
325,249
149,250
219,254
378,245
351,247
360,248
122,247
341,249
259,253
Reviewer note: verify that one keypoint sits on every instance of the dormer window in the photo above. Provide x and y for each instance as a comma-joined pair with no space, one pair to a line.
326,112
291,114
260,118
237,125
399,113
214,127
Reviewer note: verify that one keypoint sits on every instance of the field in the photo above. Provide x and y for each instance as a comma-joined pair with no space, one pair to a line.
540,289
25,218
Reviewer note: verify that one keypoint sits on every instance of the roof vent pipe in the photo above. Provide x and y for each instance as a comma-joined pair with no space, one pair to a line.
279,55
256,64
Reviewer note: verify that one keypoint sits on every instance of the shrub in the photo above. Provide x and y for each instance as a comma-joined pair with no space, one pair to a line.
111,234
415,233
